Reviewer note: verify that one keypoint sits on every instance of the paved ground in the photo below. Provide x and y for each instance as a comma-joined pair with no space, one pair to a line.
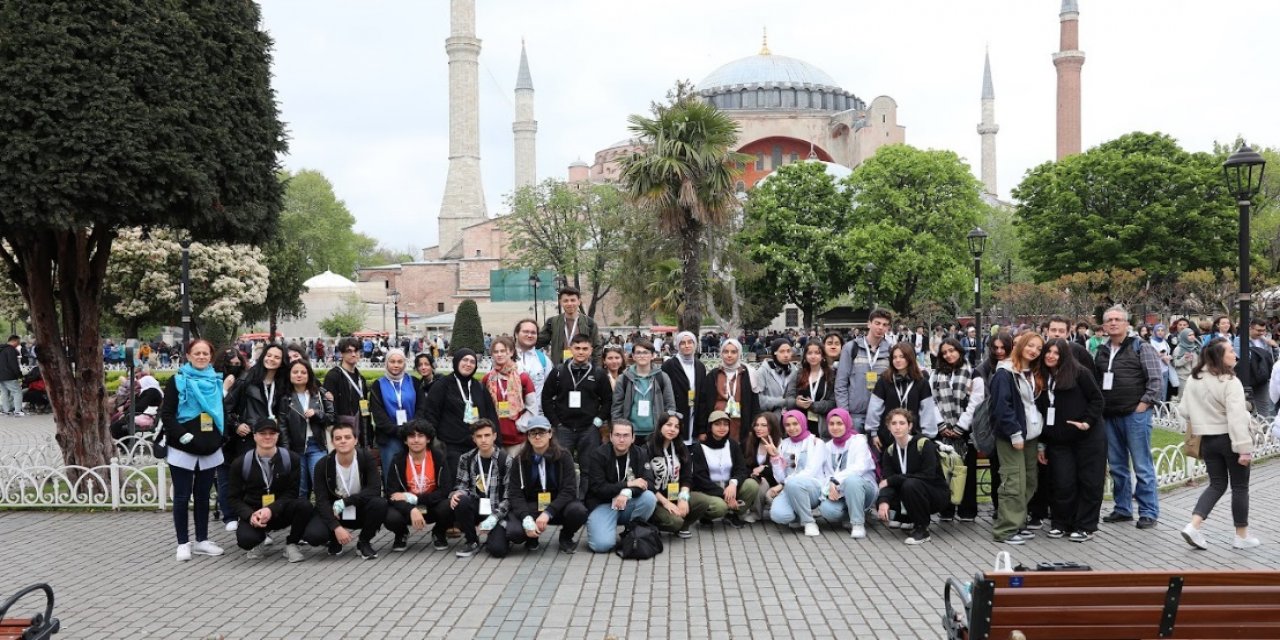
114,575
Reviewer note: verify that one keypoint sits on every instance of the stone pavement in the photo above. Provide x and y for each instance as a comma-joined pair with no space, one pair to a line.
114,575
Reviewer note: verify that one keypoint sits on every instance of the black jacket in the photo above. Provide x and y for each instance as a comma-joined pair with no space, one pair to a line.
203,443
9,369
245,494
295,429
247,404
658,464
604,482
597,397
396,482
384,424
1081,403
346,399
327,489
922,464
444,408
680,386
700,479
523,485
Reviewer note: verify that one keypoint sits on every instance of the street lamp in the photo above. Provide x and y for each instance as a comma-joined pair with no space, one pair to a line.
395,315
534,281
185,243
870,269
977,242
1244,182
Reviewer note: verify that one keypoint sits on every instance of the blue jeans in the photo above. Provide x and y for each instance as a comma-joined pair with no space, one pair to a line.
310,458
389,450
799,497
11,396
859,494
1129,438
602,523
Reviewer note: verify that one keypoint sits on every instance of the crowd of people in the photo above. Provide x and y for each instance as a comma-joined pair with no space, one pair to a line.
569,429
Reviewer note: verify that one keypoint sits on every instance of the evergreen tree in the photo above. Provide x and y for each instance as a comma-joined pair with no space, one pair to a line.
467,331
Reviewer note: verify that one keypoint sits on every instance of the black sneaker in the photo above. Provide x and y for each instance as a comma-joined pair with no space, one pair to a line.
365,550
1056,533
401,543
569,546
531,544
1027,534
1035,523
439,543
1116,516
734,521
1146,522
335,548
917,536
467,550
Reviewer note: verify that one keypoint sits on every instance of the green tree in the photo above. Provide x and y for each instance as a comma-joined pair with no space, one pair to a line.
685,176
467,331
123,113
346,320
1137,201
316,224
788,233
912,211
373,254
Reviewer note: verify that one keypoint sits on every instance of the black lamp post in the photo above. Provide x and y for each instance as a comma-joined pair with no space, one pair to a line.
870,269
1243,172
395,314
534,281
977,243
185,243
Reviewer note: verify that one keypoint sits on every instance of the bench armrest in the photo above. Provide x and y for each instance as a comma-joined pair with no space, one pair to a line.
954,622
42,625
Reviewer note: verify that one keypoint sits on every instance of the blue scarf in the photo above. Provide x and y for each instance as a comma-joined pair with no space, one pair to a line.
408,400
199,391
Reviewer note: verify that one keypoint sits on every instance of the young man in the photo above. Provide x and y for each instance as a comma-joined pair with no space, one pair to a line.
688,378
542,490
1262,358
1058,327
350,393
618,481
862,361
577,399
10,378
643,396
528,357
558,332
480,490
264,495
349,494
418,487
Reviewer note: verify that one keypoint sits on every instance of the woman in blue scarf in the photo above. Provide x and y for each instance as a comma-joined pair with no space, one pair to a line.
192,419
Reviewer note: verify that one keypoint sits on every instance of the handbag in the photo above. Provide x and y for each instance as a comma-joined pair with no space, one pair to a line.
1191,443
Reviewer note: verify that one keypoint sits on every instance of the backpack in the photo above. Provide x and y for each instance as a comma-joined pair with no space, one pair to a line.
247,464
954,470
639,541
984,436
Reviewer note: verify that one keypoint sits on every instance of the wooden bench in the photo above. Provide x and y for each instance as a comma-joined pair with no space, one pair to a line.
1115,605
39,627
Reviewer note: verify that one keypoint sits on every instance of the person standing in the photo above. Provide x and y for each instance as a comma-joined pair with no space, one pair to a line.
957,398
777,375
902,385
862,361
511,391
618,487
688,381
1129,375
193,423
254,397
456,401
305,418
1186,352
1262,357
577,399
558,332
10,379
349,494
1075,440
813,389
732,393
529,358
643,397
349,390
1017,426
393,402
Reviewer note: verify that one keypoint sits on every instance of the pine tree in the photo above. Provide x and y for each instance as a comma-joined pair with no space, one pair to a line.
467,330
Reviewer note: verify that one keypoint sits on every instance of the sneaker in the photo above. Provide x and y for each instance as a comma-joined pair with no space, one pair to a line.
439,543
1080,536
894,524
531,544
967,518
858,531
335,548
268,541
1116,516
401,543
1027,534
1146,522
569,546
19,414
206,548
945,518
1245,543
795,526
684,534
811,530
1035,523
917,536
467,550
1194,537
184,552
1056,533
365,550
233,525
751,518
254,553
1015,539
734,521
292,553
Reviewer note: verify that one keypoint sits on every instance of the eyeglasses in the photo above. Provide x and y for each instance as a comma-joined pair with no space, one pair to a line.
640,353
351,351
538,433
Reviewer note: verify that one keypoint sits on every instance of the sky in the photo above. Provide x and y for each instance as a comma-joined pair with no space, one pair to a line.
363,84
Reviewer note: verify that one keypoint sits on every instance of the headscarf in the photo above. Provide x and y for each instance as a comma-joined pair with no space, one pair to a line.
461,353
148,382
849,431
1187,340
734,342
387,373
804,425
691,357
1155,332
510,375
199,391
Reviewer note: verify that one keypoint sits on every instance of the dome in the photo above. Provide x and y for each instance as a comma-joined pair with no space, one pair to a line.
328,280
768,82
766,70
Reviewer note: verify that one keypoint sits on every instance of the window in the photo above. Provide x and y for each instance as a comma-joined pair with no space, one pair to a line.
759,162
795,157
793,317
741,187
439,307
776,157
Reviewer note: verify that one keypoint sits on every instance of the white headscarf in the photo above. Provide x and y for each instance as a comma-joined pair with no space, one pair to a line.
756,384
693,356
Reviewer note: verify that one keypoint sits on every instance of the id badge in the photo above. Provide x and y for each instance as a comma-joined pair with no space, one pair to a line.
642,408
673,490
364,408
268,499
731,409
504,409
206,422
575,399
567,354
813,417
486,506
401,416
1049,416
469,413
692,393
544,500
1108,379
349,513
480,486
872,377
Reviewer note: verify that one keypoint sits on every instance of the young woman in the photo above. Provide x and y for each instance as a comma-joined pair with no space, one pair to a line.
542,490
733,390
192,419
1221,328
614,363
800,472
231,365
679,507
813,390
305,416
1076,443
511,391
850,470
777,376
760,449
957,398
904,386
832,344
254,398
912,478
999,349
1214,403
1186,353
456,401
1017,426
426,368
393,401
720,471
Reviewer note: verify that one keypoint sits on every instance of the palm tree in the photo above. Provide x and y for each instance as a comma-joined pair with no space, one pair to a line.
685,175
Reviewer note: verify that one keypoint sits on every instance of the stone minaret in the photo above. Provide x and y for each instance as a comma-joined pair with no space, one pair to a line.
463,203
525,127
1068,61
988,130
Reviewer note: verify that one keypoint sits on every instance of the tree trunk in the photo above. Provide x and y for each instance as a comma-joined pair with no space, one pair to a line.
131,327
692,277
271,328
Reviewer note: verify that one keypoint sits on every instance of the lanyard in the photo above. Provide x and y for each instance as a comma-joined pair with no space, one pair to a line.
466,396
1049,386
624,468
730,392
902,457
486,475
576,380
673,463
270,390
419,474
542,473
351,475
397,388
814,384
903,395
1111,355
502,386
838,459
569,334
267,476
358,387
644,391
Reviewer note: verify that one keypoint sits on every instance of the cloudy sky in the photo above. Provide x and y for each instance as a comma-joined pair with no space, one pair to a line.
363,83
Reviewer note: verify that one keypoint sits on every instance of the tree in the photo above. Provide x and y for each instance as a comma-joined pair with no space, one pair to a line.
315,223
467,331
375,254
912,211
685,176
347,319
1137,201
788,233
123,113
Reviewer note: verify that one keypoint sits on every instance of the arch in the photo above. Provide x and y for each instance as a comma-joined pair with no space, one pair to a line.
764,150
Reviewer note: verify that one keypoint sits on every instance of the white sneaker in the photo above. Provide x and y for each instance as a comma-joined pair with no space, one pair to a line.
233,525
254,553
268,541
858,532
292,553
894,524
19,414
1245,543
184,552
1194,537
811,530
206,548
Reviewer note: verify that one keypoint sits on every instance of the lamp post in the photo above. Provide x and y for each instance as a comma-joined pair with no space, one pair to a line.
395,317
562,283
870,269
977,242
534,281
1243,173
185,243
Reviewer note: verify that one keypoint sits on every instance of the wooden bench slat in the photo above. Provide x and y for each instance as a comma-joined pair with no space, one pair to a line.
1077,597
15,622
1130,632
1111,579
1033,617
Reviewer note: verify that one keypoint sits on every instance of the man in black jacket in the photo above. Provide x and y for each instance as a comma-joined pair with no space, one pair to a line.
264,495
618,481
576,398
10,379
349,494
418,487
349,390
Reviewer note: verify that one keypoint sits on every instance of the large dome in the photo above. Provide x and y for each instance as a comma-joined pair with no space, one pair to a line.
767,82
767,70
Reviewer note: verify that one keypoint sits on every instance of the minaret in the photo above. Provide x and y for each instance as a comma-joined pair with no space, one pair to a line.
463,203
988,129
1068,61
525,127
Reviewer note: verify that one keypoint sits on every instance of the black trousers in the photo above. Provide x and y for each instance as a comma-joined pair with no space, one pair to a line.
579,441
452,454
1040,504
294,513
1079,472
968,507
369,518
502,537
1224,464
921,499
467,515
398,518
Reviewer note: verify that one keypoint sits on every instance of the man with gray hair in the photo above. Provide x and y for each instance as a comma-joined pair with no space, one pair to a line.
1128,372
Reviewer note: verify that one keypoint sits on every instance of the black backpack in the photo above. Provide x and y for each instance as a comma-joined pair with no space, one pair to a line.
639,541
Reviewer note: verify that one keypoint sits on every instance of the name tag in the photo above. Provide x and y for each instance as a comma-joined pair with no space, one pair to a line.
575,399
206,422
469,414
813,417
642,408
691,396
731,408
364,408
268,499
673,490
504,409
544,500
567,354
1108,379
349,513
1049,416
401,416
486,506
872,377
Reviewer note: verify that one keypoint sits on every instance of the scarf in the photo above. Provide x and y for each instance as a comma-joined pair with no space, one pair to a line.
848,425
510,374
712,442
804,425
691,358
1155,333
199,391
951,393
1187,341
